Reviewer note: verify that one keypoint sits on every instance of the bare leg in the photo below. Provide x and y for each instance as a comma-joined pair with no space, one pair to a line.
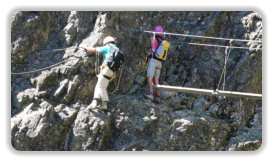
156,82
150,84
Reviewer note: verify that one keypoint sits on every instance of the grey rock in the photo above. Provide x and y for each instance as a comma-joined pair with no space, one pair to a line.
248,137
71,89
60,90
150,127
27,96
30,30
40,127
133,89
213,109
46,79
140,80
90,131
49,107
200,105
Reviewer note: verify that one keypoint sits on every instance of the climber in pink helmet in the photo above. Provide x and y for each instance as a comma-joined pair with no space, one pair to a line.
155,63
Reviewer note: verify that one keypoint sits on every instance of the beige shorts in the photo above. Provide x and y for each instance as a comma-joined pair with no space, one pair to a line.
154,68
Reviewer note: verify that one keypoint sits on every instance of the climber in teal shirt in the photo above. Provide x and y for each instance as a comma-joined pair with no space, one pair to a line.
101,98
106,51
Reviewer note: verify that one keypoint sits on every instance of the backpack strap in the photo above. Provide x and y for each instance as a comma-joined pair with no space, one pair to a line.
155,57
158,43
112,55
107,77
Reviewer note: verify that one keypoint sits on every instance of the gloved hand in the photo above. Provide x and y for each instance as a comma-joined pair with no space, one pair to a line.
146,60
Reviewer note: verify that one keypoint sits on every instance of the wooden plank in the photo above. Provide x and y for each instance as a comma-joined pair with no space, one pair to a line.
208,92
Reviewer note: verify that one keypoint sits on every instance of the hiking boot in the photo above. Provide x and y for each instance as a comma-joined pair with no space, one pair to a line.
93,105
149,95
157,99
102,106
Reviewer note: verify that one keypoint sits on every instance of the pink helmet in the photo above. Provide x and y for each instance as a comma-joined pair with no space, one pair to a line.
159,29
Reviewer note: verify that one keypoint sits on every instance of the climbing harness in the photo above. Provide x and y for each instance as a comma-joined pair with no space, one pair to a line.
97,72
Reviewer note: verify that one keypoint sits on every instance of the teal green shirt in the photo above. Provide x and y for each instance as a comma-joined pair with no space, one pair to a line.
107,51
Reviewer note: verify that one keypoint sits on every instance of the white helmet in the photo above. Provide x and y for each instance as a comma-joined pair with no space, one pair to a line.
108,39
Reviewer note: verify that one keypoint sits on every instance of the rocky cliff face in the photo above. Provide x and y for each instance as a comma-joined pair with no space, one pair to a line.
49,107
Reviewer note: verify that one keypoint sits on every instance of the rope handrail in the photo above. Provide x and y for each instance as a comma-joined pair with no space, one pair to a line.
51,66
205,37
42,69
57,49
213,45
